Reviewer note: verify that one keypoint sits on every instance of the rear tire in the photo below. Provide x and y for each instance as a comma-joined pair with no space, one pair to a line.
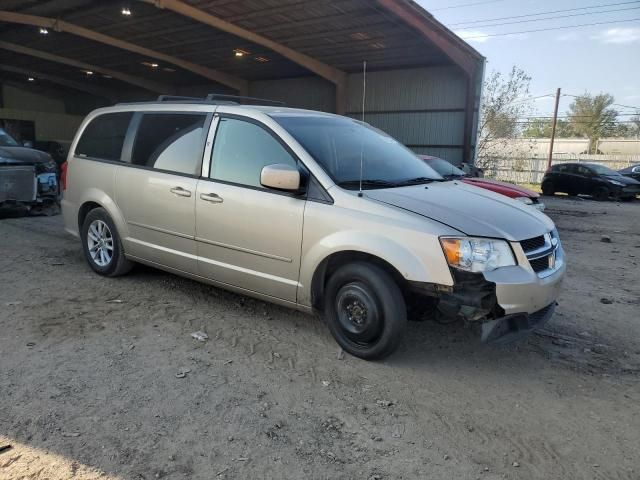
365,310
548,189
102,246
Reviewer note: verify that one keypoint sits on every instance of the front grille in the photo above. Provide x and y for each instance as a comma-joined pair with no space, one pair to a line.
543,253
533,243
540,264
17,183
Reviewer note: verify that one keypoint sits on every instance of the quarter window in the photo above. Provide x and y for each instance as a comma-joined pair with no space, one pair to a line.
242,149
169,141
104,136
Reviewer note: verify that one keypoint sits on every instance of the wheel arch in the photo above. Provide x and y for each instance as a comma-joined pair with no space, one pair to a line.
95,198
336,259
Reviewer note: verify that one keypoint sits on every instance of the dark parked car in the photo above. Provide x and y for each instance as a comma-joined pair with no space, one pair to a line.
589,179
28,177
632,172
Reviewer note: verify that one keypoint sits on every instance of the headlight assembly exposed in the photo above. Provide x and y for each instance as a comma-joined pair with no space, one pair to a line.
476,254
525,200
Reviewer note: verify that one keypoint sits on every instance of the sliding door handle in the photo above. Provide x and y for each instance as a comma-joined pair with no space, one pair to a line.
211,197
181,192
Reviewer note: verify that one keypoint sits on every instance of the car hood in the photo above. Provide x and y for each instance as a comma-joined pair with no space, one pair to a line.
508,189
468,209
622,179
22,156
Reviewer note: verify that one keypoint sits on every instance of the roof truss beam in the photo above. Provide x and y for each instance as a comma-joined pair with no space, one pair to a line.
133,80
236,83
65,82
328,72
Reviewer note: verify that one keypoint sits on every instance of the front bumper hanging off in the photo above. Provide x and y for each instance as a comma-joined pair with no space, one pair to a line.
515,326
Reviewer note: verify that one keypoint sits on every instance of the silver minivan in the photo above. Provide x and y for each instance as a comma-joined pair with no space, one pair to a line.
311,210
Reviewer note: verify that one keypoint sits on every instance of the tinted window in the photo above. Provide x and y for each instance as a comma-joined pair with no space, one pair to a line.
344,147
170,141
583,171
104,136
240,151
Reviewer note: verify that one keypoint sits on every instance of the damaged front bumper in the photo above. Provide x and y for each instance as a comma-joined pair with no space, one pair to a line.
508,302
24,185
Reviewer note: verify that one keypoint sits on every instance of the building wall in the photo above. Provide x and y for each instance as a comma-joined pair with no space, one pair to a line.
312,93
423,108
55,117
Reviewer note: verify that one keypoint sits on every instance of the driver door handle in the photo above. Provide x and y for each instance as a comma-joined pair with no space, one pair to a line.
181,192
211,197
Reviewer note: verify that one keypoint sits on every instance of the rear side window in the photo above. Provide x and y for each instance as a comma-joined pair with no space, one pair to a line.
170,141
104,136
240,151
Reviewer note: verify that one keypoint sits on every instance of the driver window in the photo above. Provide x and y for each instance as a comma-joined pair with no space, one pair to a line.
241,149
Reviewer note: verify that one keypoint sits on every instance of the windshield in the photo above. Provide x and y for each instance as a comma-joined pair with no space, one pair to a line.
600,170
444,168
7,140
341,144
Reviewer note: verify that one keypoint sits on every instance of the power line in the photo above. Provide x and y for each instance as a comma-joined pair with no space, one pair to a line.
550,28
472,4
541,13
616,104
549,18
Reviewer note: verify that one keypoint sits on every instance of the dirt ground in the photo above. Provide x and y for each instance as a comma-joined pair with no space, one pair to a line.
100,378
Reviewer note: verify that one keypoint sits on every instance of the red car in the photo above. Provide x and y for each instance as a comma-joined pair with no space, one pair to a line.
449,171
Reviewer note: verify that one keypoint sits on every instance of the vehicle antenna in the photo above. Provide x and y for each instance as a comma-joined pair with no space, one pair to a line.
364,95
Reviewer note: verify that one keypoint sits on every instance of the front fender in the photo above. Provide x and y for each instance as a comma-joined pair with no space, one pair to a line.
423,264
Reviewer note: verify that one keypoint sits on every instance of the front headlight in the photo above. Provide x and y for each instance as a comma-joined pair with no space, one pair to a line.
476,254
615,182
525,200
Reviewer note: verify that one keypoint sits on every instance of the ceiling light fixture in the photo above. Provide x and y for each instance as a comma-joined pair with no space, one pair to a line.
126,11
44,31
31,79
150,64
88,72
238,52
262,59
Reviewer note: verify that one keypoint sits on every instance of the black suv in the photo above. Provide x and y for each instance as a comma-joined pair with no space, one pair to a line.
589,179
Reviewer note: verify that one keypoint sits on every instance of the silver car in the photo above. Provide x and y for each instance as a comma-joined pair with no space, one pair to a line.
310,210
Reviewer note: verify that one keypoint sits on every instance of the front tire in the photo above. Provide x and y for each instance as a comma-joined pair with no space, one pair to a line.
102,246
365,310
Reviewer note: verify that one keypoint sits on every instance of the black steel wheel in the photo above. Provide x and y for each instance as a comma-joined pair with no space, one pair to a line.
365,310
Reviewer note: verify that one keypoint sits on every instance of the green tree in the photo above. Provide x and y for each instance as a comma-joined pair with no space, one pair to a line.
503,103
541,128
593,117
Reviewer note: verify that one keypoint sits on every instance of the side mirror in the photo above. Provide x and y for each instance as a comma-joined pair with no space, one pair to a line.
27,143
280,176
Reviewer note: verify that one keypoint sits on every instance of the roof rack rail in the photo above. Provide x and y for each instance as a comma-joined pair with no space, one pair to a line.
177,98
239,99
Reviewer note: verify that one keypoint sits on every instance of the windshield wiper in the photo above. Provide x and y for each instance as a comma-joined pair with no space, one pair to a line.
375,183
417,181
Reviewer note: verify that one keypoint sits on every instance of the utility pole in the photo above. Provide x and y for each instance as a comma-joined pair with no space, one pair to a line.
553,129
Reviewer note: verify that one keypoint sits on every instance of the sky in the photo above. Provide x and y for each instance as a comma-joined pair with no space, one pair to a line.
594,59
